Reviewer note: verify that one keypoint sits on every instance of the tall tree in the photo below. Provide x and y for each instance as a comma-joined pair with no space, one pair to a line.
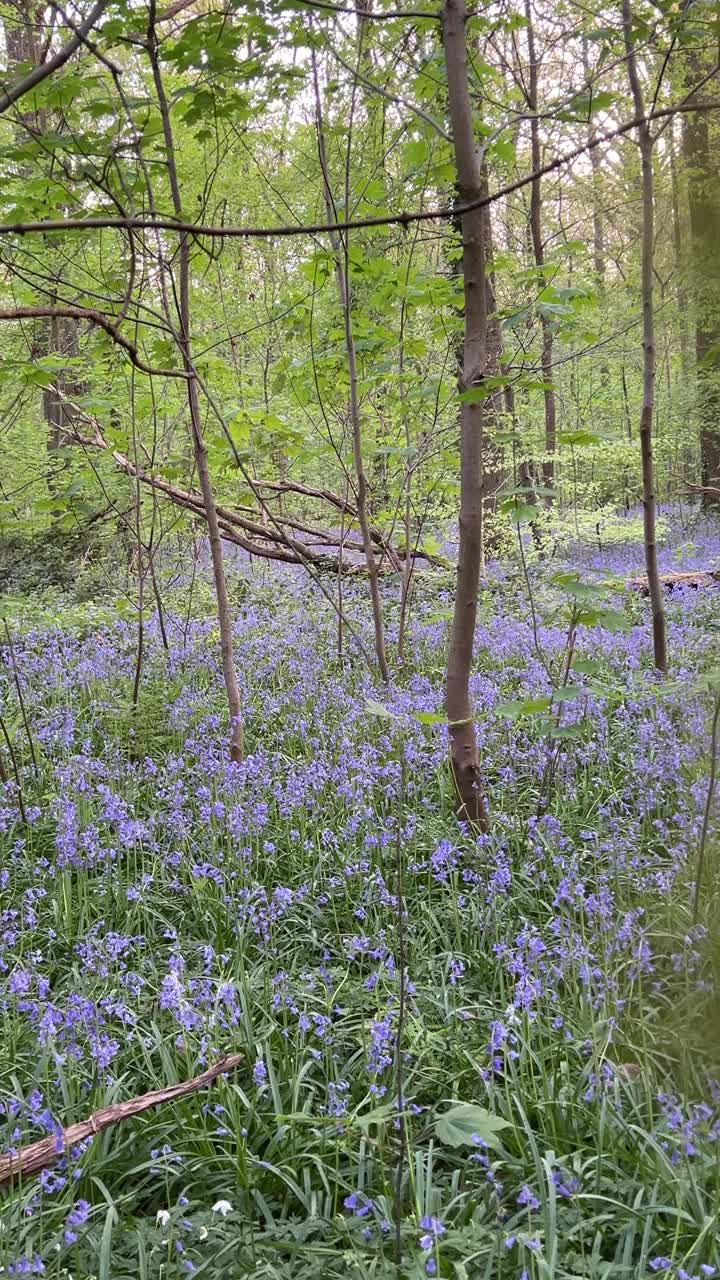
538,244
464,753
645,144
703,182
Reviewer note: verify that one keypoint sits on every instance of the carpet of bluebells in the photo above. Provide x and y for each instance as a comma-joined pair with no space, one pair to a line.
162,907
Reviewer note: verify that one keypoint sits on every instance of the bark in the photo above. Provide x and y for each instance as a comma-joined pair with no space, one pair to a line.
464,754
546,358
199,450
704,206
645,142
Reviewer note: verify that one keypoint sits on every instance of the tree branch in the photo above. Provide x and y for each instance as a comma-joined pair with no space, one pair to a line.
93,317
45,69
443,213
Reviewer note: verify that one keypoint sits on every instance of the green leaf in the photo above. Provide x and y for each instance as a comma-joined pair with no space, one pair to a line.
374,708
465,1122
520,512
579,439
586,666
378,1116
523,707
613,620
551,730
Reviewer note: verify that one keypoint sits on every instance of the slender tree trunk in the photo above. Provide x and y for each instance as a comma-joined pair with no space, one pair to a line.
546,358
59,336
464,752
596,169
340,251
680,259
645,141
200,452
704,204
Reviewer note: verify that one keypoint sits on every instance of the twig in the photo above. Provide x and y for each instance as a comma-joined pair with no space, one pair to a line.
39,1155
45,69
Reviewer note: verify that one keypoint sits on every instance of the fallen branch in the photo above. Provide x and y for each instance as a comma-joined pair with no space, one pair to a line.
256,538
688,578
40,1155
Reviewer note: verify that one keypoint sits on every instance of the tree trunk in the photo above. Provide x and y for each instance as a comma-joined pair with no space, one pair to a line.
23,43
200,452
596,169
340,251
645,141
546,359
704,204
464,752
680,259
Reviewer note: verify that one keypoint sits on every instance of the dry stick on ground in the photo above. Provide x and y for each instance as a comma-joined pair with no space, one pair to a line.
645,143
40,1155
464,754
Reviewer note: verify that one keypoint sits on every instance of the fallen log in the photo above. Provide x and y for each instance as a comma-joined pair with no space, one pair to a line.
687,578
40,1155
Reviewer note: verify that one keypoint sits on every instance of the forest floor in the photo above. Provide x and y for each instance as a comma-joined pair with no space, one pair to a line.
162,908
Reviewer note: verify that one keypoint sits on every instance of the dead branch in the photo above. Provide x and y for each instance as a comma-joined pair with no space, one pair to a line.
40,1155
687,578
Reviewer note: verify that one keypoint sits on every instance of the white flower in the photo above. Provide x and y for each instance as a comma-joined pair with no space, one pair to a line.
223,1206
162,1218
203,1233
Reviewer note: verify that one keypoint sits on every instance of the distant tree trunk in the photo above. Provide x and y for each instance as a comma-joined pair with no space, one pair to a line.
23,43
546,359
596,169
704,203
645,141
464,752
680,259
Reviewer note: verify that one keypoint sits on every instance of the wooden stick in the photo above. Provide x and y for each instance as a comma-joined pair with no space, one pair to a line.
39,1155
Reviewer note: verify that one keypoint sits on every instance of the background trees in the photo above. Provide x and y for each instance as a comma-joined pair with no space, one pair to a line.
312,367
